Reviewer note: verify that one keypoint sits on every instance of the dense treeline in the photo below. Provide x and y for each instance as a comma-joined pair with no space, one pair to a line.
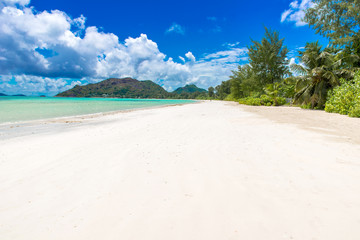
324,78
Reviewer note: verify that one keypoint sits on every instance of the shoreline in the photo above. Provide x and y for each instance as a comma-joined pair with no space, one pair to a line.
11,129
210,170
339,127
99,113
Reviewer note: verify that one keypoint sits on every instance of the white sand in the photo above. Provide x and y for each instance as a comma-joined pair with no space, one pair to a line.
207,171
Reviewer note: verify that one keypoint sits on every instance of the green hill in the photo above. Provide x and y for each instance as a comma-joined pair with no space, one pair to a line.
189,92
189,89
2,94
121,88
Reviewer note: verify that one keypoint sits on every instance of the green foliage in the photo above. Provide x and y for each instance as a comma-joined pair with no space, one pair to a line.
306,106
261,81
336,20
189,89
268,58
230,98
199,96
280,101
189,92
345,99
319,73
223,90
287,87
250,101
132,88
244,83
263,100
211,92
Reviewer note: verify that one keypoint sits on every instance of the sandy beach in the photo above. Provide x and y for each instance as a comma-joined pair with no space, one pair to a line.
206,171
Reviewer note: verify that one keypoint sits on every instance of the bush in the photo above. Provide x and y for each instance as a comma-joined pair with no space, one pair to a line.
229,98
306,106
250,101
263,100
345,99
280,101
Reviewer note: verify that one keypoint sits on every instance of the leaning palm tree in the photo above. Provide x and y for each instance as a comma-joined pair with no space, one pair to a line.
319,71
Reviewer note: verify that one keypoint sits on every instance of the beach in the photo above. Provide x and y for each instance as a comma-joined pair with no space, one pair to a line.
209,170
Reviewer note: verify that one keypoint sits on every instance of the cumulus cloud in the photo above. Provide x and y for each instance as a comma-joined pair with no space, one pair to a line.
44,52
190,56
176,28
296,12
14,2
214,68
29,85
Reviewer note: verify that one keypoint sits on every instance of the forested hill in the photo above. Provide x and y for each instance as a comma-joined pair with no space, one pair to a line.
115,87
132,88
189,89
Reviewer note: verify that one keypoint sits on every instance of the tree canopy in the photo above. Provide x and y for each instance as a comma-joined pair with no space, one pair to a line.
268,58
337,20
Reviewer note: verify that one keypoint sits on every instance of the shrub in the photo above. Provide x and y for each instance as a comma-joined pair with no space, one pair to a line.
229,98
280,101
250,101
306,106
345,99
263,100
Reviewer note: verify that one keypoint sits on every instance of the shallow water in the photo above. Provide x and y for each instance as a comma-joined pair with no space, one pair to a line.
19,109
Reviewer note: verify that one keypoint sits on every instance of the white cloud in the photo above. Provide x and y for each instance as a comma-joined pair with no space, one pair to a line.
190,56
33,85
42,52
80,22
176,28
14,2
285,14
292,61
231,45
214,68
182,59
296,12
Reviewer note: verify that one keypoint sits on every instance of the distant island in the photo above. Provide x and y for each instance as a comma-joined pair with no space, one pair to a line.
132,88
16,95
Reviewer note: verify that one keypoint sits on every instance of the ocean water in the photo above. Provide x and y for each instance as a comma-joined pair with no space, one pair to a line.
19,109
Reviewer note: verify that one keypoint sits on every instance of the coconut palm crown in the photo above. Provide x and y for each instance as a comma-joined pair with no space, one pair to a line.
320,70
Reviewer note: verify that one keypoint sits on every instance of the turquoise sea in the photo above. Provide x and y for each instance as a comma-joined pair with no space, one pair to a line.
18,109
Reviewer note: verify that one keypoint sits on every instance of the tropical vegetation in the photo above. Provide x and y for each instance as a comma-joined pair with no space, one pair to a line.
320,78
345,98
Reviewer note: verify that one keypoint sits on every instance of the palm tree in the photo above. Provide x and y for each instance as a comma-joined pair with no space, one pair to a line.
319,71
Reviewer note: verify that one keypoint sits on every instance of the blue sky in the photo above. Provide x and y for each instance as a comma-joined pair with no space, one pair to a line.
49,46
